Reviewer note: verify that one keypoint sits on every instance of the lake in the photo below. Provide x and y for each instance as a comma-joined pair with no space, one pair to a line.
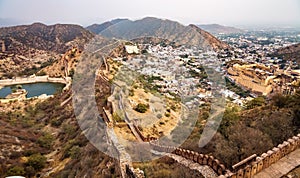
34,89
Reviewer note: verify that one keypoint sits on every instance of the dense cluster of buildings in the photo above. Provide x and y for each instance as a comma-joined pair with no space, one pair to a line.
257,70
182,71
177,71
257,46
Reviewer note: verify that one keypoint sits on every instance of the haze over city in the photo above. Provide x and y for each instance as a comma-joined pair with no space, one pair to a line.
230,12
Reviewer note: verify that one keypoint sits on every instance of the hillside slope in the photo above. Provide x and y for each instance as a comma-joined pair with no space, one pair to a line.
289,53
259,127
43,139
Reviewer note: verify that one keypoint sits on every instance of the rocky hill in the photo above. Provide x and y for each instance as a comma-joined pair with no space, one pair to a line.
152,27
289,53
29,46
212,40
55,38
217,29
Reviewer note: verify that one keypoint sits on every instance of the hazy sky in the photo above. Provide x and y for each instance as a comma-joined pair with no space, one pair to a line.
85,12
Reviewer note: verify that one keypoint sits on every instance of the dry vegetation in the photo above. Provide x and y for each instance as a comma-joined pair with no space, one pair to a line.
44,138
254,130
166,168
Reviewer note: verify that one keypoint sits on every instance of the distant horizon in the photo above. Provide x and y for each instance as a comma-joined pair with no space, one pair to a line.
236,13
16,22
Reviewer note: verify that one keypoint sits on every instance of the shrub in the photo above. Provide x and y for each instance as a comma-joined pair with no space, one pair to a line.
159,116
173,107
144,51
117,118
256,102
16,170
141,108
41,73
279,100
56,122
131,92
37,161
71,73
46,141
69,130
74,152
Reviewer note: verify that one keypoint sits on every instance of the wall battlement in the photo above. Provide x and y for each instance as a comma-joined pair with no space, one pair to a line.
266,159
215,164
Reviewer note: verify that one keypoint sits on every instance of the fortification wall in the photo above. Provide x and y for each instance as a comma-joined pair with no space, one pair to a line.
266,159
248,170
215,164
33,79
36,79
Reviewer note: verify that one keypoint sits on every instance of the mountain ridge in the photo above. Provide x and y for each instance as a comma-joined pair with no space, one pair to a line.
218,29
97,28
26,48
56,37
166,29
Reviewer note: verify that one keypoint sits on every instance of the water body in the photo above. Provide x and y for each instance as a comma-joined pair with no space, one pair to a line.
34,89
